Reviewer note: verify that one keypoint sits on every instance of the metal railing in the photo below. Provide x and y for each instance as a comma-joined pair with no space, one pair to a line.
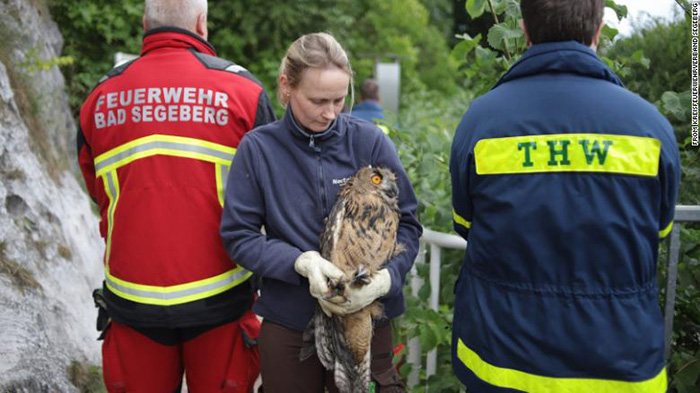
436,241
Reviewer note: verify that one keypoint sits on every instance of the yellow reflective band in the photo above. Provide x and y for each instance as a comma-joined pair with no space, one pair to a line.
460,220
111,184
665,232
221,180
531,383
163,145
384,128
177,294
629,155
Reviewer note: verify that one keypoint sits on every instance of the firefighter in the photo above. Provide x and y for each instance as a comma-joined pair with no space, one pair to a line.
157,136
563,184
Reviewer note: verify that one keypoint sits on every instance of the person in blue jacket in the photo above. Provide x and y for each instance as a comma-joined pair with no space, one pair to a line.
284,178
563,184
369,108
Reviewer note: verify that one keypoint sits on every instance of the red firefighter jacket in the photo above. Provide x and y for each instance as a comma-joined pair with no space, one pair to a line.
157,136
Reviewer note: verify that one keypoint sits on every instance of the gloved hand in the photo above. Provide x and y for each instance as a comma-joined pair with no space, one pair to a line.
318,270
359,298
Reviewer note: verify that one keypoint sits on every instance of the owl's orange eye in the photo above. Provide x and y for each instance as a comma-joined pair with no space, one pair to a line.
376,179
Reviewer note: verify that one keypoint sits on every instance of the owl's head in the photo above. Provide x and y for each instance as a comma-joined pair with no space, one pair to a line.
377,180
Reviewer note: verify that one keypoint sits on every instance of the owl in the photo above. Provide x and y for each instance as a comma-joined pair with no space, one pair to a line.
359,237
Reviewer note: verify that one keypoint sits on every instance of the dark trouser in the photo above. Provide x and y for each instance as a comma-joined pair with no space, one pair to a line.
283,372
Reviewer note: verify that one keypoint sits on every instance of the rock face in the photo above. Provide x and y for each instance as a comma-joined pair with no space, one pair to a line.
50,250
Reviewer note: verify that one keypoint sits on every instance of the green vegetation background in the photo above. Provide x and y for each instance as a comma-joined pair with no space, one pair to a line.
441,74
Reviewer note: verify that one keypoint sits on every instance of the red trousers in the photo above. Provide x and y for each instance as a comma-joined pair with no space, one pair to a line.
218,360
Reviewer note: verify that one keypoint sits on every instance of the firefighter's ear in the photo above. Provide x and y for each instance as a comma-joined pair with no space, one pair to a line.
143,20
527,35
201,27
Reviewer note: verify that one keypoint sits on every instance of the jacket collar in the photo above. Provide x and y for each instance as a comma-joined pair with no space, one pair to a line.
174,37
560,57
298,131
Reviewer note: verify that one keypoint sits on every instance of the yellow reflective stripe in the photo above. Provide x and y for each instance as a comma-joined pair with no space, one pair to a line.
221,180
460,220
630,155
531,383
163,145
665,232
111,184
177,294
384,128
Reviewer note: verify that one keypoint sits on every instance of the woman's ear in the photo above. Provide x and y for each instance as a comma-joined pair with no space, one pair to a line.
284,85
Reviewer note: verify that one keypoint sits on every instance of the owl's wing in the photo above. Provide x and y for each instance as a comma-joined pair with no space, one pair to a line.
331,233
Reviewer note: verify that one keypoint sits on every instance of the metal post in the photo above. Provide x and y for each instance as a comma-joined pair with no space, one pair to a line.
414,349
671,282
435,255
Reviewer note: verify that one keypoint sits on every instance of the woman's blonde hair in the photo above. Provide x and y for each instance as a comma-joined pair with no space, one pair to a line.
316,50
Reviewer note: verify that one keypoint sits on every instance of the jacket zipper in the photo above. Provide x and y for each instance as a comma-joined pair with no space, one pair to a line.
324,198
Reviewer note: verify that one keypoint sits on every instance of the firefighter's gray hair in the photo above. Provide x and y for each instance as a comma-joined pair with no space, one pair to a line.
176,13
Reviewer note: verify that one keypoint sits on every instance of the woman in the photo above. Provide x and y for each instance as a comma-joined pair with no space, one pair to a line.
285,177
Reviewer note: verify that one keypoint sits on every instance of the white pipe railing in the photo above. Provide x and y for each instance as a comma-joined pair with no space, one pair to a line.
438,240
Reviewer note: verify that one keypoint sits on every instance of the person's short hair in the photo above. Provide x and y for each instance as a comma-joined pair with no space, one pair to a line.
176,13
316,50
369,90
562,20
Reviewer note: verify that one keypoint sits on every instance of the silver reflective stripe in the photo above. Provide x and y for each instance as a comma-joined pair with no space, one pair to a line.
235,68
177,294
162,145
224,177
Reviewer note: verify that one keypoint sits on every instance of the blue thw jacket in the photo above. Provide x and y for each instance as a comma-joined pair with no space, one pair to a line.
286,180
368,110
563,183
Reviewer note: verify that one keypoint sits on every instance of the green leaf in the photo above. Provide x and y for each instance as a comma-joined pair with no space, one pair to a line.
513,10
672,103
609,32
686,379
502,31
424,292
639,58
464,47
620,10
475,8
500,6
428,339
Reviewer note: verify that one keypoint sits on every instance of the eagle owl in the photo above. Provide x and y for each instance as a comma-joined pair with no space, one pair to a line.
359,237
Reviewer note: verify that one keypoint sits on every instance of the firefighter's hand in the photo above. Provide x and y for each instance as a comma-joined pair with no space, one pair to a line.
319,271
359,298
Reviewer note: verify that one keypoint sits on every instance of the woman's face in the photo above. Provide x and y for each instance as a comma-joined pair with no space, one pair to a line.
319,97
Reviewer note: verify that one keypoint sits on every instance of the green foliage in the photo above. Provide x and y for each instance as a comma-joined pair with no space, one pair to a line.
86,377
423,141
256,34
93,31
33,63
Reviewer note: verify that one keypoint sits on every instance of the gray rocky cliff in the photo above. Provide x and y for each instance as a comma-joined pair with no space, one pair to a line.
50,249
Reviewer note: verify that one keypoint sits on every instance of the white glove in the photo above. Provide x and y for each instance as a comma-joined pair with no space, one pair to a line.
319,271
359,298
